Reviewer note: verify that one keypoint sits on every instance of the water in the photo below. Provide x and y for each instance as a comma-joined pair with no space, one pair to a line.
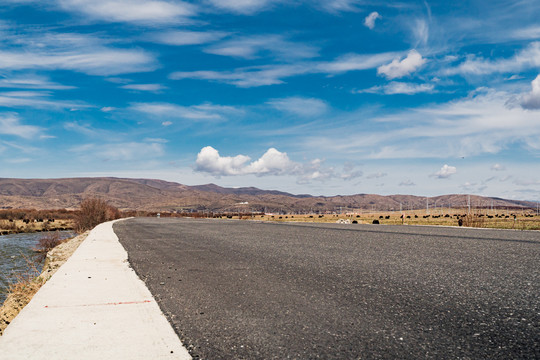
17,257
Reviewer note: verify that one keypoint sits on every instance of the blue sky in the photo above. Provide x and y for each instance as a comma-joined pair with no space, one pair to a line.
306,96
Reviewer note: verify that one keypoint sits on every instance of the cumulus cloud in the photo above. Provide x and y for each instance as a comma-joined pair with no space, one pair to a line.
273,162
445,172
400,68
305,107
139,11
369,21
498,167
531,101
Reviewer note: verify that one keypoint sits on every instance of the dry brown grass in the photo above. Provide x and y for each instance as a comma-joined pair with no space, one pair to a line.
487,219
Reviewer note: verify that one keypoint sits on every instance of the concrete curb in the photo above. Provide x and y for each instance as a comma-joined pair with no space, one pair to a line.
94,307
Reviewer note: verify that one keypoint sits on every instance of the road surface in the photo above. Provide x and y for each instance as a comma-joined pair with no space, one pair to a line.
252,290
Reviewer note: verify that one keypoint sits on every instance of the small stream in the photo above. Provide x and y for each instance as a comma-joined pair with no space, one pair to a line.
17,257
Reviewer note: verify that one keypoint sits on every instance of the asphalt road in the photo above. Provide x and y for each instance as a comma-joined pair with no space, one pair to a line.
251,290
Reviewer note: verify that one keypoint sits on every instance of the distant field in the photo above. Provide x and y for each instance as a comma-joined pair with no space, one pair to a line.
19,226
447,217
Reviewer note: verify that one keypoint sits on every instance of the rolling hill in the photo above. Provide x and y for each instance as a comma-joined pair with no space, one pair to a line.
159,195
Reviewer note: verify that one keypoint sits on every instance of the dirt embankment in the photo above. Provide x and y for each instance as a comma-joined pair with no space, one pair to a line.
21,292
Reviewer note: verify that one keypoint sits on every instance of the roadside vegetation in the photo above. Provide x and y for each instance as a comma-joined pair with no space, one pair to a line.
50,253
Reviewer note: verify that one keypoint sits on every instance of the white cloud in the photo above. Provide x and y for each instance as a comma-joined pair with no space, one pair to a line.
531,100
11,125
144,87
420,30
305,107
274,74
272,162
139,11
75,52
34,99
396,87
335,6
399,68
195,112
529,33
407,183
209,160
498,167
181,38
369,21
528,58
32,82
445,172
245,7
481,123
377,175
124,151
251,47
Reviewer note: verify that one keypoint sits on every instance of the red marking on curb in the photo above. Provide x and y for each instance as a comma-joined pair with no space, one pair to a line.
104,304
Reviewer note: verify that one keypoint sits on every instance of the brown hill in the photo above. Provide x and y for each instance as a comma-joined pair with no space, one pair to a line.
159,195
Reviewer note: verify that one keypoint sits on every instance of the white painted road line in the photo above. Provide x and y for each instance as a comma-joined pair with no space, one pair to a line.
94,307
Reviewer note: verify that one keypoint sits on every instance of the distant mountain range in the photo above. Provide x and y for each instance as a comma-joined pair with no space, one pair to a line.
159,195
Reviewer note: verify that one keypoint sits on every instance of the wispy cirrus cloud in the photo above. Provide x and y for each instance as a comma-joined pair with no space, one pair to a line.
70,51
185,37
10,124
396,87
145,87
137,11
304,107
200,112
32,82
244,7
480,124
525,59
121,151
251,47
36,99
276,74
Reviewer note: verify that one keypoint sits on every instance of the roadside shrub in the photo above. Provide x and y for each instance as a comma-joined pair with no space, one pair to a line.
94,212
473,220
45,244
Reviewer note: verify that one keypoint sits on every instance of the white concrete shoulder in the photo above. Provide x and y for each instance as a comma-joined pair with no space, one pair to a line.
94,307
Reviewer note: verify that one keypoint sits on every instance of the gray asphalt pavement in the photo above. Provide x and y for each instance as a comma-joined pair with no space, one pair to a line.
251,290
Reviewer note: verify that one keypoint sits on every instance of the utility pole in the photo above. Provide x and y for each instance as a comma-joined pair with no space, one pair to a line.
427,206
469,204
